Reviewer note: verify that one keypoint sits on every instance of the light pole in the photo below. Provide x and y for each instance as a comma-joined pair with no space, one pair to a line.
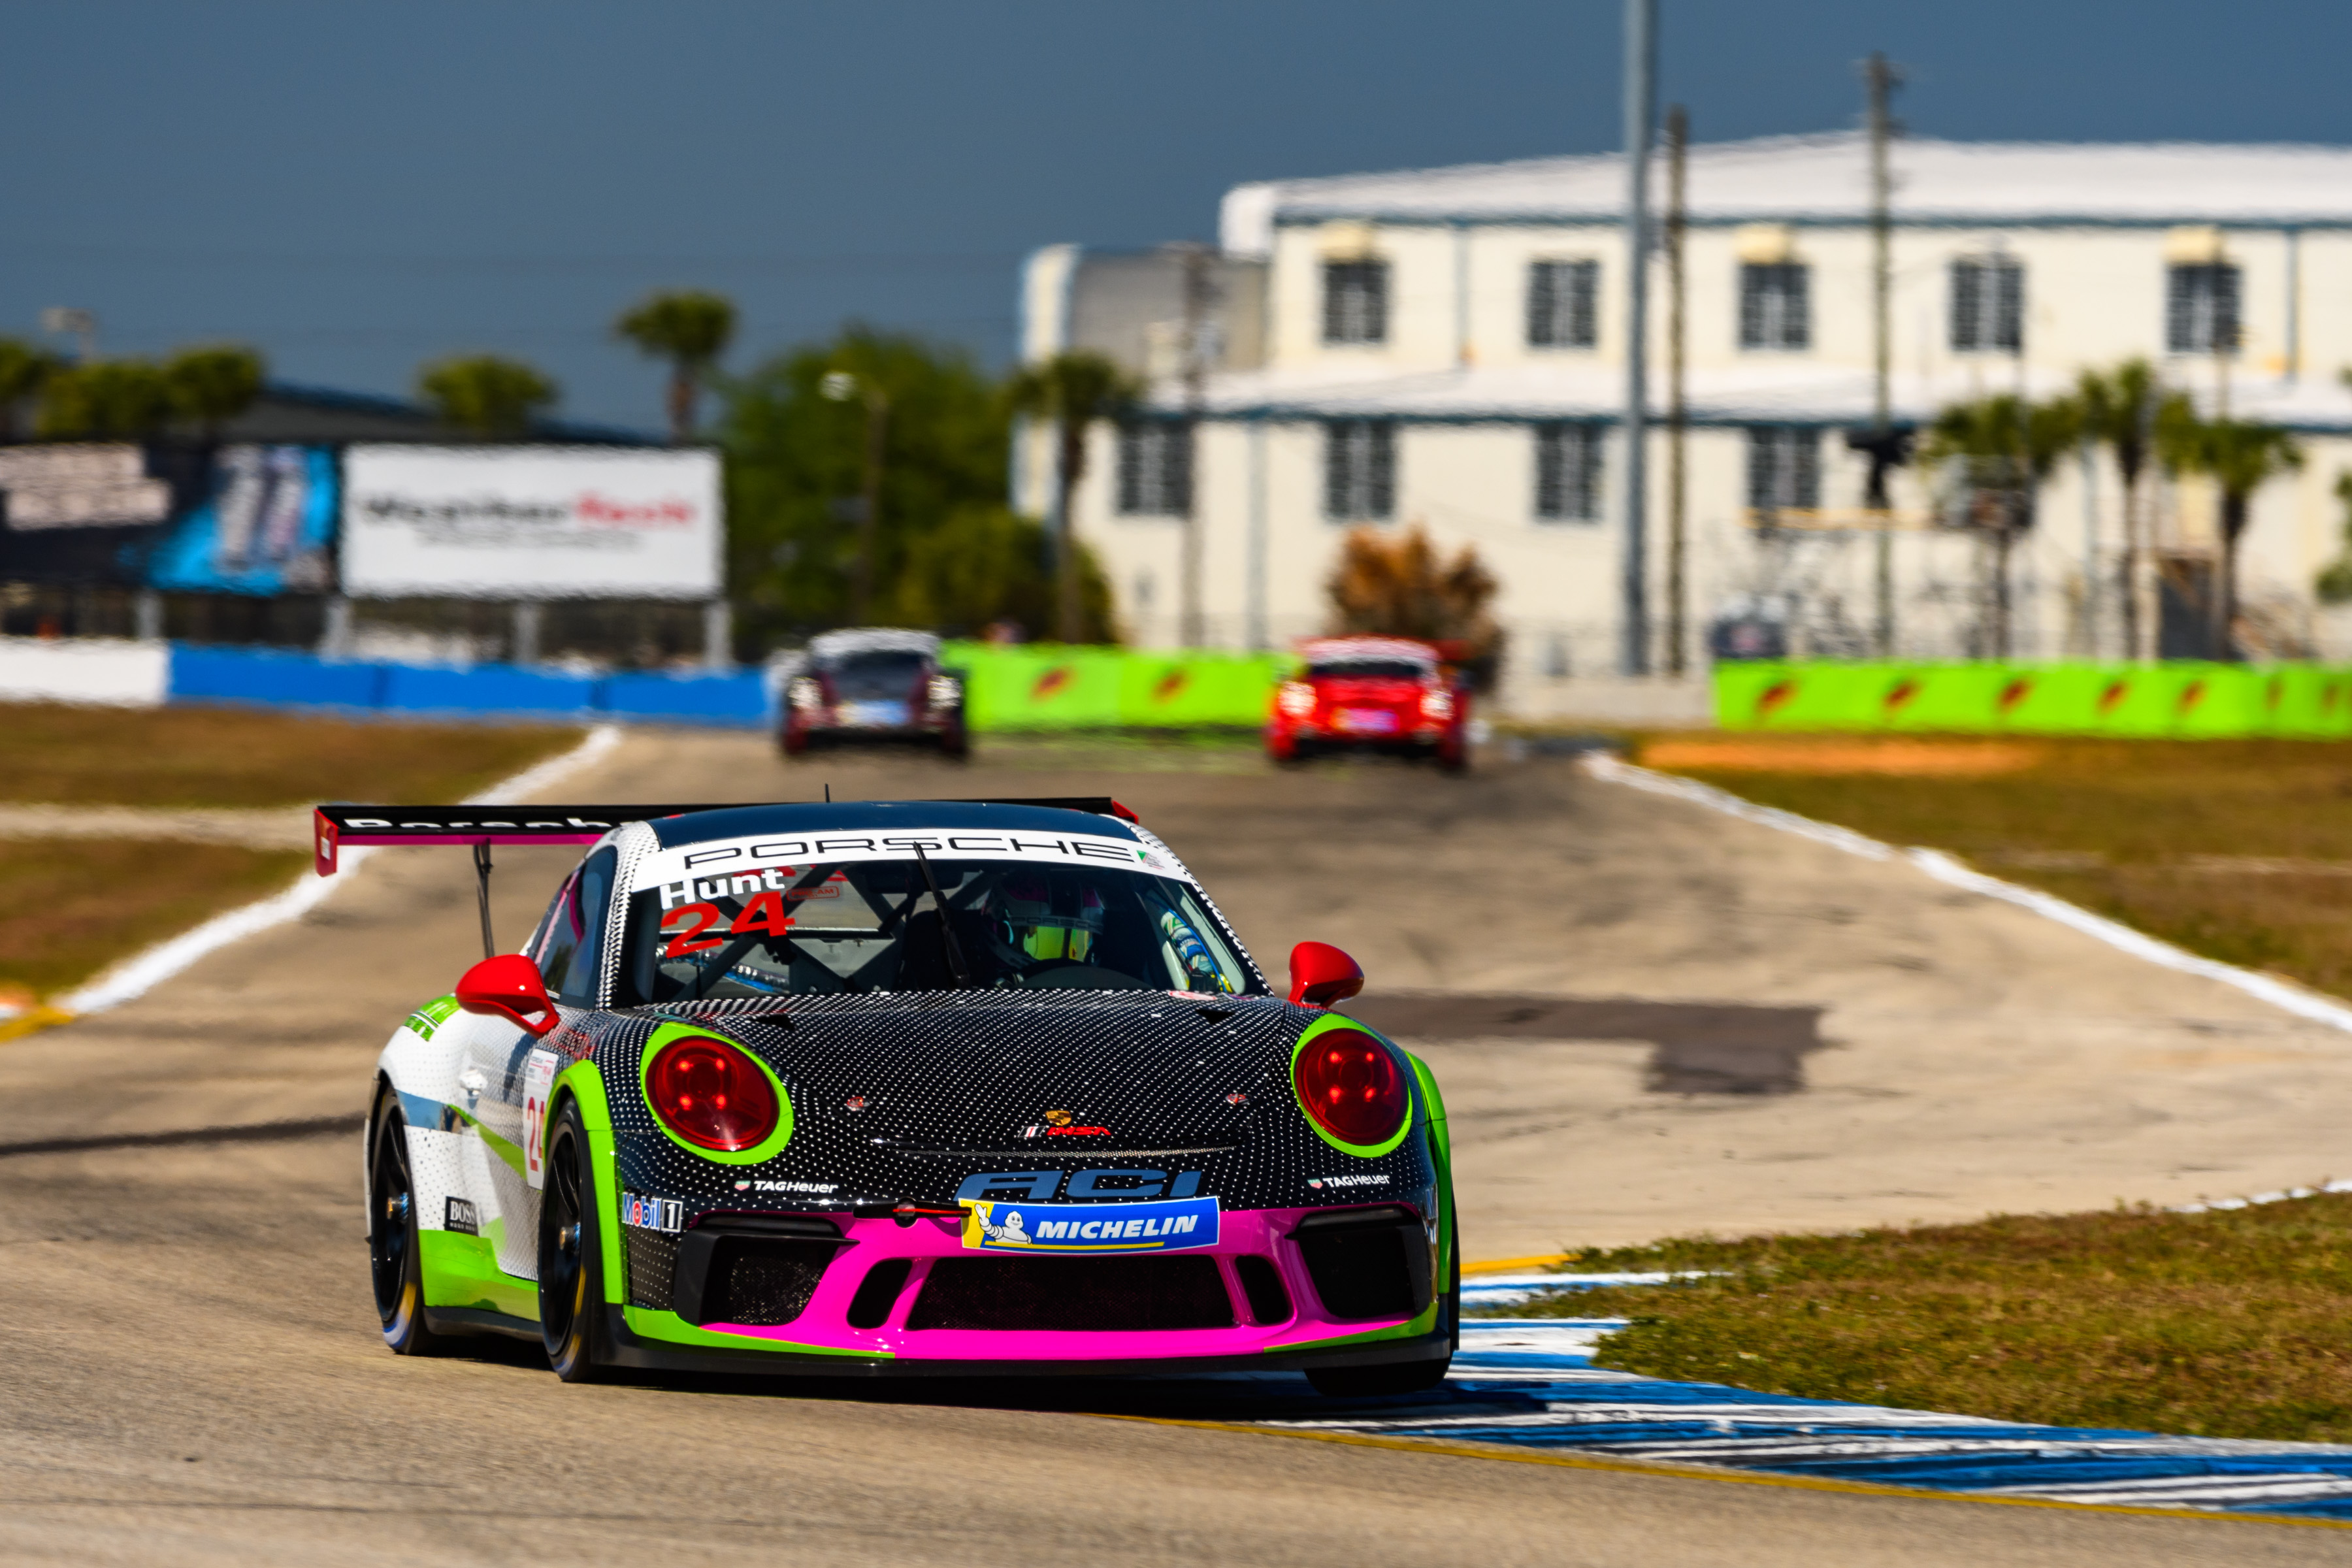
1641,89
841,387
65,320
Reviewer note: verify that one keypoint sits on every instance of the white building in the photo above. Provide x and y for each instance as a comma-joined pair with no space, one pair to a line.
1444,347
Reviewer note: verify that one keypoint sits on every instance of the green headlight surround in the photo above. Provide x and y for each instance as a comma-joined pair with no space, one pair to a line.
767,1148
1324,1025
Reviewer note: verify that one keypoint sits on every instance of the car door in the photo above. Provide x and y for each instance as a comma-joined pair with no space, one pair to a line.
509,1072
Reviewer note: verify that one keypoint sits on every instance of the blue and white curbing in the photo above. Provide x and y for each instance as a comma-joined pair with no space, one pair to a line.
1531,1384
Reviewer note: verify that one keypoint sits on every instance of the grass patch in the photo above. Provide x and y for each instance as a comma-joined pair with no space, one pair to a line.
2240,850
237,757
2232,1324
70,906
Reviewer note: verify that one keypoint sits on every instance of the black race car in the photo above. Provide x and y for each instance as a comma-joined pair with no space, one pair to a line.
899,1087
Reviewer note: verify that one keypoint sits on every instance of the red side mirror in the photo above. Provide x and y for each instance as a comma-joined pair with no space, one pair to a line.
1322,974
508,987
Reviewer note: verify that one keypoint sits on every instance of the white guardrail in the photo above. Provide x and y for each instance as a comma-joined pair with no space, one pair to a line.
114,672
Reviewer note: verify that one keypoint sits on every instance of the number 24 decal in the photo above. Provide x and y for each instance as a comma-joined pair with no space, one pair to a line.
765,913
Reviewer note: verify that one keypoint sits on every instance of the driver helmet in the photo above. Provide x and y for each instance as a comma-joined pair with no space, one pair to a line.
1030,926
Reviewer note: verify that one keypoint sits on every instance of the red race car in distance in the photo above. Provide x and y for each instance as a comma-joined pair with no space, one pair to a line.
1371,694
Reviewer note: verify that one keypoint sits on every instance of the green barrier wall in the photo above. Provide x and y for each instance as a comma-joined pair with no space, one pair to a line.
1034,685
2179,702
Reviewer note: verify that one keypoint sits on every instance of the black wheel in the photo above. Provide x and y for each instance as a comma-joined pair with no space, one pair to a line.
571,1255
394,1258
1371,1382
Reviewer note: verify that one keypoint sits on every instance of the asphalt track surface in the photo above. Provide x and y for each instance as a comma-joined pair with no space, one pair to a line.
191,1371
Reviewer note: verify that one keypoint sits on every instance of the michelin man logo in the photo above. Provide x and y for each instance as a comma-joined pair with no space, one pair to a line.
1009,1234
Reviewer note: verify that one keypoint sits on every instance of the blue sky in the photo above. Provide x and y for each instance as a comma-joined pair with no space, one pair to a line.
359,187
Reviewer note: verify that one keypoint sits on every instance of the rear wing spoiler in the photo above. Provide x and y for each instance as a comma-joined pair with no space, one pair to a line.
482,825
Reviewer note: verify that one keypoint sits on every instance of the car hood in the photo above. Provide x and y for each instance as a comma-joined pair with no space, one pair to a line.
1069,1075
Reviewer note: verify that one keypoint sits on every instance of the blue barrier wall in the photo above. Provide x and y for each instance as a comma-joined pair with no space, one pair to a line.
273,679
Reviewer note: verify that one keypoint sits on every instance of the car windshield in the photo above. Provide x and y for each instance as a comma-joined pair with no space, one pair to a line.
1369,669
870,677
874,925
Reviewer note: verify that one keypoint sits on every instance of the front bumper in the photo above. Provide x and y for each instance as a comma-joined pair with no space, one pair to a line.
1303,741
821,1339
926,727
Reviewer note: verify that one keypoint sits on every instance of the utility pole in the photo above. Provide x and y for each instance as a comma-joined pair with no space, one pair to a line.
841,385
1677,410
1882,79
1641,89
1189,630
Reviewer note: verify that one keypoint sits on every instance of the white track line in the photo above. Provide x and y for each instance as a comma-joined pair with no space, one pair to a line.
2267,988
143,972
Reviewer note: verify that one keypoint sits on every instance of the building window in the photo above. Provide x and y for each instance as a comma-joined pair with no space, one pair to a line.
2201,315
1358,470
1561,304
1774,308
1567,472
1155,468
1988,305
1784,468
1355,301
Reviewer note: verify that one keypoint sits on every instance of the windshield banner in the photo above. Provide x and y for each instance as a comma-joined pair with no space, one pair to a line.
720,871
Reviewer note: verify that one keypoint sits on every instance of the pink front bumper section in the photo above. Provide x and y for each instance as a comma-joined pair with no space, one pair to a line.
822,1325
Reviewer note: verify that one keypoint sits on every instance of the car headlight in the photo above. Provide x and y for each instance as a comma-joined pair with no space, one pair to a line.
711,1094
805,693
945,692
1437,705
1296,699
1353,1090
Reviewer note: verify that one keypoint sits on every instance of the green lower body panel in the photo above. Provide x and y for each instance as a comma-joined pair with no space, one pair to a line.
463,1271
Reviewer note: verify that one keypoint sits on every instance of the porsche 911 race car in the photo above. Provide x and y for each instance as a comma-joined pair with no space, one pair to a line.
931,1088
1370,694
875,684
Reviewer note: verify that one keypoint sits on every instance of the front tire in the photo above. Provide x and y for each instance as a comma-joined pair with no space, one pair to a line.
571,1255
396,1259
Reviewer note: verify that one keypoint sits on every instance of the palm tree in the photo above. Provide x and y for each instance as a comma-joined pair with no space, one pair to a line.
213,385
2118,410
691,328
23,368
2005,448
485,396
1074,390
2239,457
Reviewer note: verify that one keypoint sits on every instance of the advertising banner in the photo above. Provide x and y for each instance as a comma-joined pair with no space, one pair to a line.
1046,686
82,511
530,522
266,524
2176,701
